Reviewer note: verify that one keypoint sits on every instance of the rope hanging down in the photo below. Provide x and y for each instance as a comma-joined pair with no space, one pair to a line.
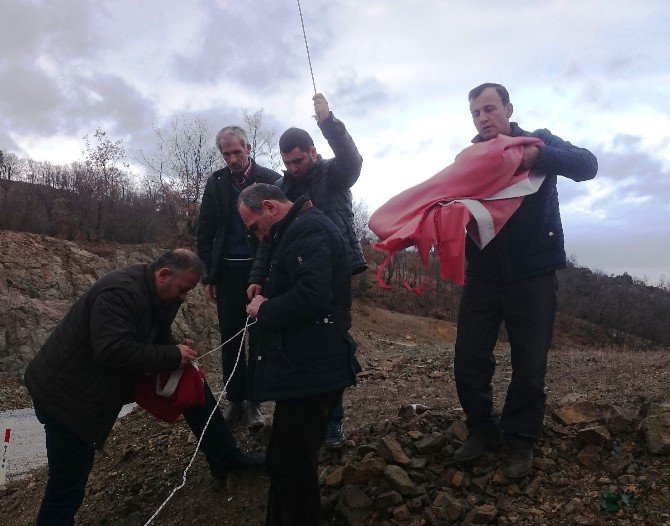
216,408
304,35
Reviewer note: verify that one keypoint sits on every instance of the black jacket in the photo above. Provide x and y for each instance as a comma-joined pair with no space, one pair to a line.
112,334
531,242
303,329
214,216
328,185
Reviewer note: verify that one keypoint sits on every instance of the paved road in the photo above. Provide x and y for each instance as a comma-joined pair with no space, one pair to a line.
27,449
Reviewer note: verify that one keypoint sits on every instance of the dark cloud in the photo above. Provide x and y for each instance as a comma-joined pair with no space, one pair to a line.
253,47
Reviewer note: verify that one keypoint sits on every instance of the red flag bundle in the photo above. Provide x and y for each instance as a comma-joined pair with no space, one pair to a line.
165,395
478,193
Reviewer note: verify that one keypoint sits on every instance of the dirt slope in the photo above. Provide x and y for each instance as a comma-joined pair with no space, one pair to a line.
406,359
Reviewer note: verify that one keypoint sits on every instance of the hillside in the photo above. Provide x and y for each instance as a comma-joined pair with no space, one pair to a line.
608,409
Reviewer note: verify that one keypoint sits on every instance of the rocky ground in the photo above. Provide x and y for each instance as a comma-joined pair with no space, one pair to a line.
603,459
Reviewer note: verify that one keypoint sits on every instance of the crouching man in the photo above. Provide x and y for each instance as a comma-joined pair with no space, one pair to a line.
85,371
306,355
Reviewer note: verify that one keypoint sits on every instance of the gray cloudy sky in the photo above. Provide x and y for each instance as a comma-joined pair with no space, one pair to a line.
595,72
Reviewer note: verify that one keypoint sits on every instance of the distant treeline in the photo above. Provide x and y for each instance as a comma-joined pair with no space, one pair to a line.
99,200
596,306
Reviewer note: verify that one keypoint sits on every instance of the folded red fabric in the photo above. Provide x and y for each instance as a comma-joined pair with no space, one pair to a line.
479,192
165,395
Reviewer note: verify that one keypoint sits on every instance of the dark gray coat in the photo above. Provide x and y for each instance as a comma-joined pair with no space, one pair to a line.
328,185
115,332
303,329
215,213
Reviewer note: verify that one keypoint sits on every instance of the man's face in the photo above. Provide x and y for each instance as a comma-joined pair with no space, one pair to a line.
259,224
298,162
173,286
234,153
490,115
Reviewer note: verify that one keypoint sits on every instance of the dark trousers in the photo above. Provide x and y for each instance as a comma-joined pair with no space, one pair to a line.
231,305
528,309
70,462
298,430
336,414
70,459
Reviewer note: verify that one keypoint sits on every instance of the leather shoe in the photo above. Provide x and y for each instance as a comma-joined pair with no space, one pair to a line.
479,442
253,416
237,462
336,437
518,463
233,412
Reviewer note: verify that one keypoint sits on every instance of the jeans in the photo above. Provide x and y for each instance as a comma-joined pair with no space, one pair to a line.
231,306
528,309
298,430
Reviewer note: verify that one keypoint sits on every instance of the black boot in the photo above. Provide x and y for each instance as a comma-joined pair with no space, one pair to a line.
479,442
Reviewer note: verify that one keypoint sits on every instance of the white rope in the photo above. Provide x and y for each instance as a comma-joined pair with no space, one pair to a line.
216,408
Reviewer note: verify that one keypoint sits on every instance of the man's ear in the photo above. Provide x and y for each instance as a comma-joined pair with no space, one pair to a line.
270,206
509,109
248,149
163,274
312,153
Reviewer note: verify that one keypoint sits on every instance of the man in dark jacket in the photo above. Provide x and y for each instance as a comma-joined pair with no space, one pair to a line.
84,373
306,355
513,280
227,251
327,183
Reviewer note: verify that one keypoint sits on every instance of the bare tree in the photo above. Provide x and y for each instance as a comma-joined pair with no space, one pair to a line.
361,219
185,156
264,147
106,180
11,170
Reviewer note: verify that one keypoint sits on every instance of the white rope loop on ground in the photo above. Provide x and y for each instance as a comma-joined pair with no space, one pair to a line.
216,408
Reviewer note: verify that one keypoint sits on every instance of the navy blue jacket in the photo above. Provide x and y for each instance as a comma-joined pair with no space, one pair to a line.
531,242
304,344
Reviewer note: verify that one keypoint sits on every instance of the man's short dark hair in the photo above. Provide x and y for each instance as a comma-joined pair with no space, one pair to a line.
502,91
254,195
180,260
295,138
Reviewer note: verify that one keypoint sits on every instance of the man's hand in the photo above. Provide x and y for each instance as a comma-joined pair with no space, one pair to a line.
210,290
252,308
321,107
253,291
188,355
530,153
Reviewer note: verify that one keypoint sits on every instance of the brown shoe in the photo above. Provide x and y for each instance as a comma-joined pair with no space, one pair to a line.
519,462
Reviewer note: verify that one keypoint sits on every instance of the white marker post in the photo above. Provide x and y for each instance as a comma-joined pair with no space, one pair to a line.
4,452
